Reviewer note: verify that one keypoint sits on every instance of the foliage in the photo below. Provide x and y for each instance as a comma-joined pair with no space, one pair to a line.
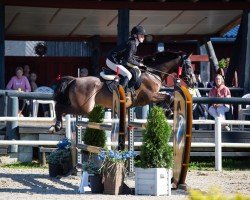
224,63
22,165
91,167
214,194
228,163
58,156
112,158
95,137
115,156
156,152
61,154
64,144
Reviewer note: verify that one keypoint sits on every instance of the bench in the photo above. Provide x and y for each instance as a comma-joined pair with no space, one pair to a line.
42,154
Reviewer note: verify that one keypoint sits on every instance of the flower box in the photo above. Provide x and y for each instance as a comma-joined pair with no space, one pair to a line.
153,181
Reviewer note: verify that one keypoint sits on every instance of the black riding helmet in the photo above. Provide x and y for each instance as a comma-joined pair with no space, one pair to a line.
138,30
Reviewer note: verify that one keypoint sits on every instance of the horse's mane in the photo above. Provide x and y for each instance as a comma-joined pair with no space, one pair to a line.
158,56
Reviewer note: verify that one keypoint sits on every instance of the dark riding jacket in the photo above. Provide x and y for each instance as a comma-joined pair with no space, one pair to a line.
124,54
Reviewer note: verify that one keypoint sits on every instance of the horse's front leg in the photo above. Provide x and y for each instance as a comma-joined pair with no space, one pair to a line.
159,97
166,101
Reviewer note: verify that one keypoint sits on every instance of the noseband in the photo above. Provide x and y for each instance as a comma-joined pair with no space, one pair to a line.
185,69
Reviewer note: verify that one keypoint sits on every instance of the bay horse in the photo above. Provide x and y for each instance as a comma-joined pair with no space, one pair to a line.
79,95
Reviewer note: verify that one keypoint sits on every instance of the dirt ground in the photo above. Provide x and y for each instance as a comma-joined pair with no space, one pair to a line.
16,184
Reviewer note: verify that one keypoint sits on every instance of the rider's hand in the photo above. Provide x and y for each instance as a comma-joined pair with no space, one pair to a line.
141,65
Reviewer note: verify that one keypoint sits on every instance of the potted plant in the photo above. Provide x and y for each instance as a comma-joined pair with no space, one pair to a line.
60,162
152,172
95,177
113,169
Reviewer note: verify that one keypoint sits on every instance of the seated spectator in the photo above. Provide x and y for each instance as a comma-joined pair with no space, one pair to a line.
220,90
19,83
199,110
198,79
33,83
84,72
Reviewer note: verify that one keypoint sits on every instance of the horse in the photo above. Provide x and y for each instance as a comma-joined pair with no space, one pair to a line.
79,95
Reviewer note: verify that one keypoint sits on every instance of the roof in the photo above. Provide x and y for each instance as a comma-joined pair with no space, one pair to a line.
232,33
60,22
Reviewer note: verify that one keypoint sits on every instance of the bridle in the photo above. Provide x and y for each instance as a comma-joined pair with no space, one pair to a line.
183,70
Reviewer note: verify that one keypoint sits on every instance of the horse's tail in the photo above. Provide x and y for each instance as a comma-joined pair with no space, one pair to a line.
61,94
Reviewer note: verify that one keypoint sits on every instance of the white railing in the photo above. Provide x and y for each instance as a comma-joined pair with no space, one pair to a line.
140,123
218,144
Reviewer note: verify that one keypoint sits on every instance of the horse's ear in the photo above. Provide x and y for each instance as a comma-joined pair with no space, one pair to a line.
188,56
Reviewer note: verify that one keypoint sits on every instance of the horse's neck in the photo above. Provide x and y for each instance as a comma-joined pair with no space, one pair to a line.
169,66
151,81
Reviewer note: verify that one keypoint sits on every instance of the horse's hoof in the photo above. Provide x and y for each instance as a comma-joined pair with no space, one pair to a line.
58,128
52,129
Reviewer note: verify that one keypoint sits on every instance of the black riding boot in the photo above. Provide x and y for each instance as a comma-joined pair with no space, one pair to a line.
124,82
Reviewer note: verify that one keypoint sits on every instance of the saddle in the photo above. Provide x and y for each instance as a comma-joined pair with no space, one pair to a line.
109,76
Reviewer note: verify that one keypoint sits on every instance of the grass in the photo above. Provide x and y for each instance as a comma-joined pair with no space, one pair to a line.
228,163
23,165
196,163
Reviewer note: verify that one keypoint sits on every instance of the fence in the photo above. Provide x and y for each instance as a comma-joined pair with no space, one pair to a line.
140,123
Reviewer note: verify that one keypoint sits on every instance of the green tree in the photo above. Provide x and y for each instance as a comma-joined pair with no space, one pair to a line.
156,152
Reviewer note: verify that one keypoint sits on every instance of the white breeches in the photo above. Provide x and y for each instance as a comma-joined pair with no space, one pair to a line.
123,71
218,112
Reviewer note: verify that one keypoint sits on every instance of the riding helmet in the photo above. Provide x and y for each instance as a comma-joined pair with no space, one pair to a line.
138,30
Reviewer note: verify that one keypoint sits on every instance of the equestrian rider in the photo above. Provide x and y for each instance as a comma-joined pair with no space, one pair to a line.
123,56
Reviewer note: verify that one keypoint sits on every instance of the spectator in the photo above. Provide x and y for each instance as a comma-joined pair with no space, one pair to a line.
20,83
26,71
33,83
198,79
219,71
199,110
84,72
220,90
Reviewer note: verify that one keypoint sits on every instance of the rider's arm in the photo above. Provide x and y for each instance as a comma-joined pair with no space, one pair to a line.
131,51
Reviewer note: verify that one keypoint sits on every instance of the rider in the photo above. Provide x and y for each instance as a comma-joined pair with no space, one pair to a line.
123,56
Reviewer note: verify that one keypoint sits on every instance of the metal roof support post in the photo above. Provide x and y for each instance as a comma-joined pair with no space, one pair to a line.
2,46
11,127
123,25
212,57
218,147
245,50
204,66
95,55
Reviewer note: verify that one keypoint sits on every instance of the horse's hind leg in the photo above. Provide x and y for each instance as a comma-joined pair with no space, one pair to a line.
60,109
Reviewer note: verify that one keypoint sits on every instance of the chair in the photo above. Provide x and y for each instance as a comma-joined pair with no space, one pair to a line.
51,103
244,111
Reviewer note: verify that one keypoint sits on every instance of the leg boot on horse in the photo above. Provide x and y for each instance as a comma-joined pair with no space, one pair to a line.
124,82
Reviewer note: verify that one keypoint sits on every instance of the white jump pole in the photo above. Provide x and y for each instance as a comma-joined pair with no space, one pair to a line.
28,142
108,116
68,127
218,147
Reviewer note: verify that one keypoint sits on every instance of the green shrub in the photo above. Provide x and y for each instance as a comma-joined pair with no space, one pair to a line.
95,137
58,156
156,152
